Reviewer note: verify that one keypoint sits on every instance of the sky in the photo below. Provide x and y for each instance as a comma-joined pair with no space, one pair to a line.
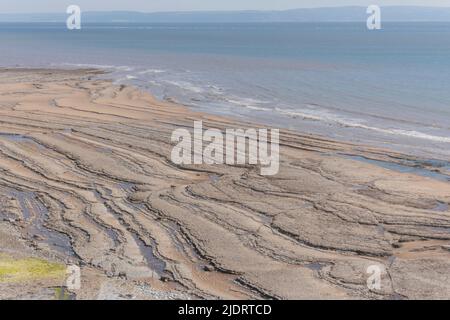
35,6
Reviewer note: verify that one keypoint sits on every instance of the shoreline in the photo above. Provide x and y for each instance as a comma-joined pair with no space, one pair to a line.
364,98
87,161
413,146
434,167
336,126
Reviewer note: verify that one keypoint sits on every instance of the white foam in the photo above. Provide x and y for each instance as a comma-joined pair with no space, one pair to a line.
257,108
186,86
97,66
325,116
246,101
149,71
411,133
249,103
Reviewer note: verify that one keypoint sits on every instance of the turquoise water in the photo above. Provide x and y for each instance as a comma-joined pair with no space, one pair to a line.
389,88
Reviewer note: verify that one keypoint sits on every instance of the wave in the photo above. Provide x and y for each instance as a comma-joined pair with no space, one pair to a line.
249,103
185,85
308,114
97,66
324,116
410,133
151,71
215,92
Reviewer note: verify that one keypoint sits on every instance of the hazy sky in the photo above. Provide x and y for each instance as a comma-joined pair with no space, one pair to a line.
31,6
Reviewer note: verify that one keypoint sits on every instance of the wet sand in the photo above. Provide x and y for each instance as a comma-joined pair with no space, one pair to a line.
86,179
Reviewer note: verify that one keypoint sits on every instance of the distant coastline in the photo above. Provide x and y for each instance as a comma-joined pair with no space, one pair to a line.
325,14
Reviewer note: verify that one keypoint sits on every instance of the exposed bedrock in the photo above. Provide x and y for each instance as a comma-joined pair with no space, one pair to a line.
86,178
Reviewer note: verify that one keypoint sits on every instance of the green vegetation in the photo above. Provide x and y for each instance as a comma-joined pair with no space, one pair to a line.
14,270
62,294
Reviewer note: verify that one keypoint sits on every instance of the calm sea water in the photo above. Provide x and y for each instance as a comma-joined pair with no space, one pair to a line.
389,88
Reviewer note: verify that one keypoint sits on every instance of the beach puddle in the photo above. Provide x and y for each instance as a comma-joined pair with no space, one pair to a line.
441,164
380,230
14,137
440,230
35,215
55,240
391,260
19,138
413,167
315,266
127,187
214,178
23,198
441,207
157,265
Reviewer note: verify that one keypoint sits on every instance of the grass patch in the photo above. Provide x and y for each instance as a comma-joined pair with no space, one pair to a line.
62,294
14,270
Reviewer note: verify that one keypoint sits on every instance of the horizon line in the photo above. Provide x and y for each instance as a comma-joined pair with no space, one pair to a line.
237,10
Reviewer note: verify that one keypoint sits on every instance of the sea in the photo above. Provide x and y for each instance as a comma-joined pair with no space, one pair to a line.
388,88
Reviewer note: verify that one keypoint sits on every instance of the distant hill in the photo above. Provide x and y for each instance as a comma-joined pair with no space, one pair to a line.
336,14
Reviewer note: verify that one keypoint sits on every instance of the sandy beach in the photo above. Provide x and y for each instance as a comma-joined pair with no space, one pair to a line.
86,179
